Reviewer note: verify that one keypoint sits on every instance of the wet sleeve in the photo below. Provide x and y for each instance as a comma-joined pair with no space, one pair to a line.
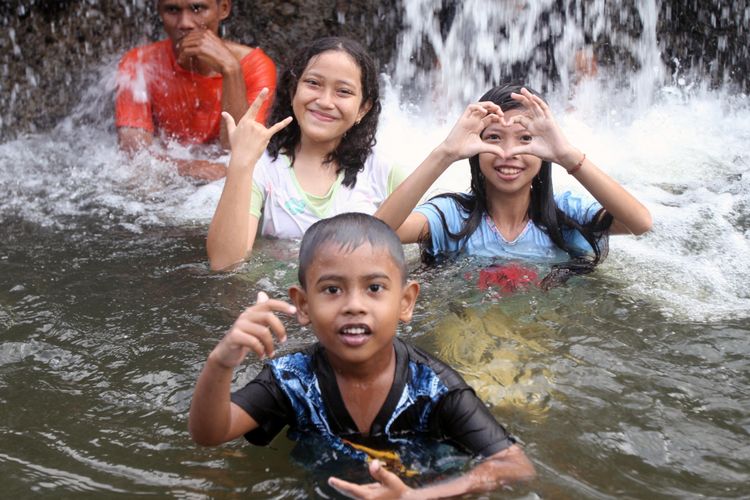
264,400
396,176
583,211
580,209
463,419
259,71
132,102
256,201
435,211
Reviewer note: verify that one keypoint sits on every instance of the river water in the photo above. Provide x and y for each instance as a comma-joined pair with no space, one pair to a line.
631,382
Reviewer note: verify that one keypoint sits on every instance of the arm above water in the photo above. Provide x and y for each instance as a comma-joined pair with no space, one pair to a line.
213,418
504,467
463,141
549,143
232,231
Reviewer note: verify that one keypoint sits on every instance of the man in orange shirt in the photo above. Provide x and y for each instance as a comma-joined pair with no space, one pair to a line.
178,88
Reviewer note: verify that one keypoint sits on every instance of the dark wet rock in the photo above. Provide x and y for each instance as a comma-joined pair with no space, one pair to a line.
711,37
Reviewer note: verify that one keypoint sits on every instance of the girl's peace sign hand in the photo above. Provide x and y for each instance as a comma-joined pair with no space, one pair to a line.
464,139
248,138
548,143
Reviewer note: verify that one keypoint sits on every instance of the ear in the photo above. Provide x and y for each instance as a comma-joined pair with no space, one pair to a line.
225,8
299,298
409,295
363,110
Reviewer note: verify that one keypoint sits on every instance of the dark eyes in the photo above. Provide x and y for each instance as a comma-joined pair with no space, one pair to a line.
312,82
335,290
498,138
197,9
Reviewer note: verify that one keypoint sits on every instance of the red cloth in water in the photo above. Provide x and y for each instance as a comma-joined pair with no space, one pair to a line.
507,278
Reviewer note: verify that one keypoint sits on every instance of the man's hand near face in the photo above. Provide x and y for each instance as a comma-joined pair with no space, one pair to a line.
202,50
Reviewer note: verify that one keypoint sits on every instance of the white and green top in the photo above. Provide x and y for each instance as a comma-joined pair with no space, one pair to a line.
287,210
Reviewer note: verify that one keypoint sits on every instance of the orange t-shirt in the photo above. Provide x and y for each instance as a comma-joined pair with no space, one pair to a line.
157,94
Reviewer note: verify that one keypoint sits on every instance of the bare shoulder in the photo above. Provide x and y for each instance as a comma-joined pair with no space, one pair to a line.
238,50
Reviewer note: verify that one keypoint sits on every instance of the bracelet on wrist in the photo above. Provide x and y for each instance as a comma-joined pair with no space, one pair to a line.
577,166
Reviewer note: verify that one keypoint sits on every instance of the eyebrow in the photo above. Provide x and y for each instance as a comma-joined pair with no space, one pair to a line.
321,76
338,277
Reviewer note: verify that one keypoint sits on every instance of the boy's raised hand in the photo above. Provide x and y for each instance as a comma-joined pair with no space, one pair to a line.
248,138
464,139
549,143
253,331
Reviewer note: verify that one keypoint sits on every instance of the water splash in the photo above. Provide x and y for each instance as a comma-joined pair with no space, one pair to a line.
684,154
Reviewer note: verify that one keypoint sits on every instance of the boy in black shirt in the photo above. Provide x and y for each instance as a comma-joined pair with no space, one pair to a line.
358,387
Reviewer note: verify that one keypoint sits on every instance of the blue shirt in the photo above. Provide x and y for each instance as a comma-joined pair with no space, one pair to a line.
486,241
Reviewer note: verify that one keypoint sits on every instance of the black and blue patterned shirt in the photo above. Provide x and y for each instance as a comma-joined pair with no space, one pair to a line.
428,399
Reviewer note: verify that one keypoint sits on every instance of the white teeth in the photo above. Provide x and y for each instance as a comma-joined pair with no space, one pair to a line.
509,170
354,330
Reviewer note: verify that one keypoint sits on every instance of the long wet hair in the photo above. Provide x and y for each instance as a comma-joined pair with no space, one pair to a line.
543,211
352,152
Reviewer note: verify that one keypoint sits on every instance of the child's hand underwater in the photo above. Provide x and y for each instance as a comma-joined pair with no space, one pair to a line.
388,485
253,331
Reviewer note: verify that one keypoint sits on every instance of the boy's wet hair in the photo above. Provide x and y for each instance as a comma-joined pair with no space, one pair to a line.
348,232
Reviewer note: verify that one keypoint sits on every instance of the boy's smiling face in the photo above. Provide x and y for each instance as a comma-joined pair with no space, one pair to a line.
354,299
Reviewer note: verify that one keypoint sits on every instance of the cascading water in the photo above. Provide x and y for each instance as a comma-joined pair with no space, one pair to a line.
630,382
457,50
630,115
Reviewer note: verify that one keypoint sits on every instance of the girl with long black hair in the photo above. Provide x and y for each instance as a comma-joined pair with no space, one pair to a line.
511,211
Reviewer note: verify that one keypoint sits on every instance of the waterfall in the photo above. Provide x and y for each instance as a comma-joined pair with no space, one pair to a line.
673,134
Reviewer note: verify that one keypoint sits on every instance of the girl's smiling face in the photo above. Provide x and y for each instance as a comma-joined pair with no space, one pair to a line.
328,99
513,173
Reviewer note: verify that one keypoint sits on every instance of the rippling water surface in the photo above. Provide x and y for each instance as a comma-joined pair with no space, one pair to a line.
103,337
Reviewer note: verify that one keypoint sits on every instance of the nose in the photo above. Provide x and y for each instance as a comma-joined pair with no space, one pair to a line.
354,304
510,144
325,99
186,21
